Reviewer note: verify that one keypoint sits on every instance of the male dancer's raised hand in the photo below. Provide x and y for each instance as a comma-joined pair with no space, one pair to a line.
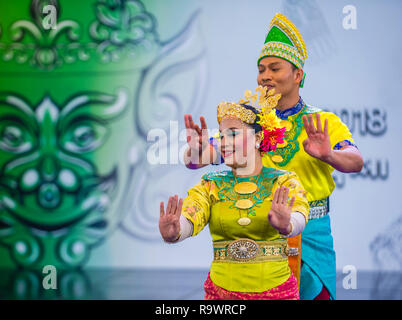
317,143
197,138
198,142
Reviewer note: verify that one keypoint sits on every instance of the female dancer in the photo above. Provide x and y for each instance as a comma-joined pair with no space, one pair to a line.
247,208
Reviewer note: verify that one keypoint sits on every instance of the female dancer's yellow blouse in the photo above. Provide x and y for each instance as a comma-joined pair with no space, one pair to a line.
212,201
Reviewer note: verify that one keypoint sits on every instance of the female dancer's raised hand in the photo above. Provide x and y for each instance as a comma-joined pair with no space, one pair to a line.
279,215
169,222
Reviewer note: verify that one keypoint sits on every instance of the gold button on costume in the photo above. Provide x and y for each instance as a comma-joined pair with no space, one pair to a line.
245,187
277,158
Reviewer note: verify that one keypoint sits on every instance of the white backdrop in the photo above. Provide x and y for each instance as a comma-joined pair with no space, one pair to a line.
353,72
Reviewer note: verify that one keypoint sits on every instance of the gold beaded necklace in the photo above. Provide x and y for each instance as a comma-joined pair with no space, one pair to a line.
245,188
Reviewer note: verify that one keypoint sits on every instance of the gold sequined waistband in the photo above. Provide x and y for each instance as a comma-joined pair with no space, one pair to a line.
247,250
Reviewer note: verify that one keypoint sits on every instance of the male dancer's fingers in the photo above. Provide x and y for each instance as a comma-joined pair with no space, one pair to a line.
190,132
305,123
319,125
162,209
190,121
189,135
203,123
197,129
326,127
311,124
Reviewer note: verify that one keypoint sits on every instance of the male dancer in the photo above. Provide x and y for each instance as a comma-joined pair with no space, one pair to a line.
310,150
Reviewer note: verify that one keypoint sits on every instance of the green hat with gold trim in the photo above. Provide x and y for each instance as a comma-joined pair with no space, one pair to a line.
284,41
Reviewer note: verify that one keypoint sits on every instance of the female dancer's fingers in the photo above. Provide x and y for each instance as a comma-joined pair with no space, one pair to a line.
291,202
162,209
319,125
279,197
169,206
174,205
179,207
186,122
276,196
285,192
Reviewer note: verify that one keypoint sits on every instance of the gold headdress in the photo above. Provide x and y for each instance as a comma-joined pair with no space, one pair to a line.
264,102
235,110
267,101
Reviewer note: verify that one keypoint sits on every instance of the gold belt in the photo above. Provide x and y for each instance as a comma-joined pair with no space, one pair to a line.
247,250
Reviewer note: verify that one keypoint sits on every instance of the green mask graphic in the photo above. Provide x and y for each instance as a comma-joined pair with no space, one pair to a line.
76,97
49,179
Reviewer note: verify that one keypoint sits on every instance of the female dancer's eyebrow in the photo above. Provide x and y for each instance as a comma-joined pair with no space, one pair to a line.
231,129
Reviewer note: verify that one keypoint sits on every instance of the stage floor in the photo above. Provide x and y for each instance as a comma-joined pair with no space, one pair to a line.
131,284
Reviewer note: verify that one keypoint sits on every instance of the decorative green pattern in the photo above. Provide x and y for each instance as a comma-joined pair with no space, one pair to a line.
120,29
278,34
283,32
225,182
282,50
288,152
74,118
